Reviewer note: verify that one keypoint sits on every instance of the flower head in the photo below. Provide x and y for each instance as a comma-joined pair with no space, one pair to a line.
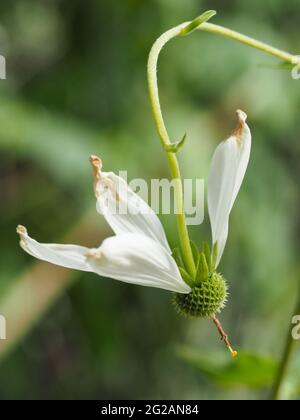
139,252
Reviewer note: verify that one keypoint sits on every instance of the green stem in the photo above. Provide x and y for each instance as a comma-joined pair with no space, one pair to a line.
289,348
251,42
159,121
165,140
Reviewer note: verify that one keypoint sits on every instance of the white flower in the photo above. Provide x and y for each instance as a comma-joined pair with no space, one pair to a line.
138,253
227,172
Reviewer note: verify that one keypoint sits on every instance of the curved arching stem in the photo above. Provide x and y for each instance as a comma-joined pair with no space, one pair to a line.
165,140
159,120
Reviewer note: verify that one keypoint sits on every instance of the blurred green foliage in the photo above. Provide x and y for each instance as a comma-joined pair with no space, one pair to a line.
246,371
76,85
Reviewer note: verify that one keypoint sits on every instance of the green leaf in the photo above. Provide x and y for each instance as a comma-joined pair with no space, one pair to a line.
176,254
174,147
202,269
207,253
195,252
186,276
248,370
198,21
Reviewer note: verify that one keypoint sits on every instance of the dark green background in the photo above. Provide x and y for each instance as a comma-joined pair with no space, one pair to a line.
76,85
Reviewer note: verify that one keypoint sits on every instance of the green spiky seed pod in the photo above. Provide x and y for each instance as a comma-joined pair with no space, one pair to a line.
205,299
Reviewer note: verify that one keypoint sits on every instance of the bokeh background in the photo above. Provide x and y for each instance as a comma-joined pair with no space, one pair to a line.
76,85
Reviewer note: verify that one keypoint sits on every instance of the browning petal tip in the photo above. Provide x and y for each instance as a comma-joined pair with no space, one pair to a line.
21,230
96,163
242,116
93,253
237,132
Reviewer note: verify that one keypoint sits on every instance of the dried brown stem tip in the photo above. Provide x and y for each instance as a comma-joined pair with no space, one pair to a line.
223,335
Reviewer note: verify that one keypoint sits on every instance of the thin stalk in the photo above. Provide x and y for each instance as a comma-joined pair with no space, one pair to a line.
286,358
165,140
223,335
251,42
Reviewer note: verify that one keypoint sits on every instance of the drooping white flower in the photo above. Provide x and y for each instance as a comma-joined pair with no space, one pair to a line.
138,253
227,172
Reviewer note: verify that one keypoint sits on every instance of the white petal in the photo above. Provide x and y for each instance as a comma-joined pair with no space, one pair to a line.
70,256
227,172
123,209
137,259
